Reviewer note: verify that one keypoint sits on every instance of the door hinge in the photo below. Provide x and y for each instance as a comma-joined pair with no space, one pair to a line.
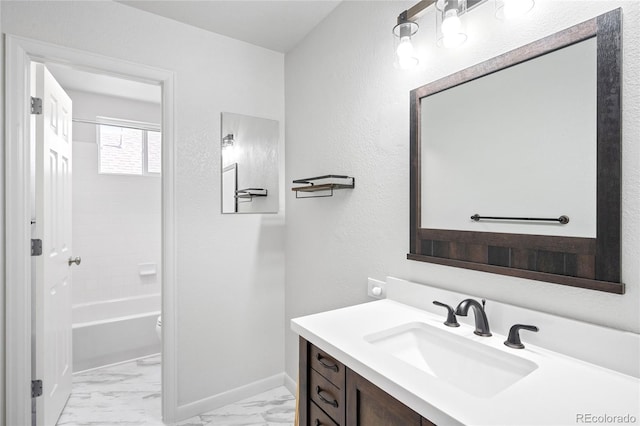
36,247
36,388
36,105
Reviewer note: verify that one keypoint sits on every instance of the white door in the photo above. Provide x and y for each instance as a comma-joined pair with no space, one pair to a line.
52,313
229,188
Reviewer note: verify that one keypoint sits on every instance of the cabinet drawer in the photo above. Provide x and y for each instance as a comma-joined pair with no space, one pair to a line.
327,366
317,417
327,396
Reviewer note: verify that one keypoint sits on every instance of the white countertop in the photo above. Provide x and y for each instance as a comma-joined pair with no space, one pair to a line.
556,393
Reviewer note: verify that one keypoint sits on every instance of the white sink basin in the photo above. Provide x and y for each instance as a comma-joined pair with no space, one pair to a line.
472,367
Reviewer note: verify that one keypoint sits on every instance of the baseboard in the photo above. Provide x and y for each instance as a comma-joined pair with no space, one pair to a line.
186,411
116,363
114,358
290,384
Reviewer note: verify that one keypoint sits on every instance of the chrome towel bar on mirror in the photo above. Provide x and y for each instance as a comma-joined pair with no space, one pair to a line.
563,220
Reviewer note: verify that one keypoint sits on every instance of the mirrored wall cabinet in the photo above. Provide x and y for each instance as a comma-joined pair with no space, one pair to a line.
249,147
515,162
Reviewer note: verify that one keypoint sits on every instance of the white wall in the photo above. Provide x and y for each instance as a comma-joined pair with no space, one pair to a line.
230,273
347,112
116,218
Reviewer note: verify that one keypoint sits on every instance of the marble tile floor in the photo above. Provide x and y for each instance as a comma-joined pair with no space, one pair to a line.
128,394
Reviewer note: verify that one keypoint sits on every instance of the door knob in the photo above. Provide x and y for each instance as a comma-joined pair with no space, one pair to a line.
77,260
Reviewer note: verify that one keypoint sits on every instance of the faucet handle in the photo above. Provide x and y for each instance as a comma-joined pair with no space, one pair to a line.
513,341
451,314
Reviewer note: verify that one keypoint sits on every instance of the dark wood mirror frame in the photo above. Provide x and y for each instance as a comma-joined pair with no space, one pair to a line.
591,263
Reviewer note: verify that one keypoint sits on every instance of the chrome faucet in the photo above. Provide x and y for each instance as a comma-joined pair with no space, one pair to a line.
482,324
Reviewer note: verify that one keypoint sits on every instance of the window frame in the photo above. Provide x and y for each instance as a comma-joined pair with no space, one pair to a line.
145,127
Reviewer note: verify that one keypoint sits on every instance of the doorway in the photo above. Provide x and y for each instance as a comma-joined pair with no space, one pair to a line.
114,267
21,178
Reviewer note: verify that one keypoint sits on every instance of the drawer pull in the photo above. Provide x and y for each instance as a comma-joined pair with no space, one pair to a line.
333,403
333,367
318,422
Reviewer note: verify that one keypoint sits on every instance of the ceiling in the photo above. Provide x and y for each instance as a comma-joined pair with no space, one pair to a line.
273,24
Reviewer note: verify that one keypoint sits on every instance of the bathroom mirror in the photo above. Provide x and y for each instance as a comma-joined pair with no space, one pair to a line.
249,147
529,143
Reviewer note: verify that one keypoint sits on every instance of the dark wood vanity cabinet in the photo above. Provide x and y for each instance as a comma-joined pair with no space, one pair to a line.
322,388
331,394
368,405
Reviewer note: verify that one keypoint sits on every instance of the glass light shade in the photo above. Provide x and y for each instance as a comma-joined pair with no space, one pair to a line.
450,23
404,53
227,141
507,9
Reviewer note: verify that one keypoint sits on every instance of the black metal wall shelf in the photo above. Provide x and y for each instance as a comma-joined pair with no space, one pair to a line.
249,193
324,184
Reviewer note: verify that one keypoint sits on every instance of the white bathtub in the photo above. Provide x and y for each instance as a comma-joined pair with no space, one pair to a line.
114,331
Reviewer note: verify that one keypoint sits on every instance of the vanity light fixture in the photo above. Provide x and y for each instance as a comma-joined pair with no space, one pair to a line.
450,28
403,31
406,28
227,141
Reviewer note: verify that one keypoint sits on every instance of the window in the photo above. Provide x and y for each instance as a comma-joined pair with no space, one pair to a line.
128,148
154,151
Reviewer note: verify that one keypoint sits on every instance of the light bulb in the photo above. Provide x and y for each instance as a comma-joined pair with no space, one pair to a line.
451,29
451,23
405,48
404,51
515,8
